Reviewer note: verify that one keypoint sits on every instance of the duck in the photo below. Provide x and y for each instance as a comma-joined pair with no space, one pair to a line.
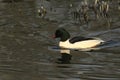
67,43
77,42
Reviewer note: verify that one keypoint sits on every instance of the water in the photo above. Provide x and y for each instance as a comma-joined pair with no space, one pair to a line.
25,37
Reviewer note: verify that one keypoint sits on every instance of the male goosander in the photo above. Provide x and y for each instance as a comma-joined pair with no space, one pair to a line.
73,43
77,42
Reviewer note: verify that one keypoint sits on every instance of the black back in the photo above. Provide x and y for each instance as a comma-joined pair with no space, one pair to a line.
79,38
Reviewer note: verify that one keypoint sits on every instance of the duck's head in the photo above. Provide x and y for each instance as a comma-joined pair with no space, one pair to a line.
62,34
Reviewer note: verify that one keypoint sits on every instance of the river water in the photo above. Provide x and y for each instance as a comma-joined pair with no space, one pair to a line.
25,37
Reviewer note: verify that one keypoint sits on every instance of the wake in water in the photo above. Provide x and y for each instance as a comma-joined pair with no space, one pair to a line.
104,32
109,44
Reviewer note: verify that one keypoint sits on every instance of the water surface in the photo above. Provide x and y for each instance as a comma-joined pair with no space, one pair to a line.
25,37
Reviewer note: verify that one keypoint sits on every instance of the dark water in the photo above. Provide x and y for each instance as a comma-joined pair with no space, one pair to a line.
25,37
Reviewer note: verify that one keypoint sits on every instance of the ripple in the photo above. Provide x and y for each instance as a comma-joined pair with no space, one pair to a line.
33,61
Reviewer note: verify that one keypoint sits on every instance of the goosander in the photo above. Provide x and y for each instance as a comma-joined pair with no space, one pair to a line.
77,42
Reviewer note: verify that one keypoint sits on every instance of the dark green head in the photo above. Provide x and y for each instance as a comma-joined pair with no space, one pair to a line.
62,34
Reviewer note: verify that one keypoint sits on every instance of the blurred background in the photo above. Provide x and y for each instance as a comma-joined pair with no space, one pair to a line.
26,27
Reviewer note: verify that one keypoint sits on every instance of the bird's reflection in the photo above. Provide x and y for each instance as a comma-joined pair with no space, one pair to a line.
65,57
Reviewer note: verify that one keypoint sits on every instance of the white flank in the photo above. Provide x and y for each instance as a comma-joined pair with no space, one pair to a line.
81,44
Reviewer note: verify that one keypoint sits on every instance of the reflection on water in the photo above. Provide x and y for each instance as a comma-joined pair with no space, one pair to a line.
24,41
